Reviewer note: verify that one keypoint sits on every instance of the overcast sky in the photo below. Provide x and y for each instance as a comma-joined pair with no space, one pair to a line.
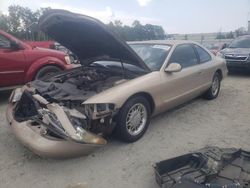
176,16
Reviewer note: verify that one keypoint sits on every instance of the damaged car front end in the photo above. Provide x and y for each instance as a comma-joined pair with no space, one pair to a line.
49,129
53,117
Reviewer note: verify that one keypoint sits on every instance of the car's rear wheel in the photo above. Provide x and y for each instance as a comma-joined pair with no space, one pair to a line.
133,119
47,71
214,90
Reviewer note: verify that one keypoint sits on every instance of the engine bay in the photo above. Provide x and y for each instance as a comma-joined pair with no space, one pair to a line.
78,85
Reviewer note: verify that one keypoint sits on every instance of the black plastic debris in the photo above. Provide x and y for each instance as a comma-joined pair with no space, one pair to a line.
209,167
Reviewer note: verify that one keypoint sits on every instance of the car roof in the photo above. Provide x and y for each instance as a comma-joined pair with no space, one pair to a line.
164,42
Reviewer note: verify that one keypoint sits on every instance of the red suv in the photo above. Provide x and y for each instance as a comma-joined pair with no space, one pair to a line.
21,63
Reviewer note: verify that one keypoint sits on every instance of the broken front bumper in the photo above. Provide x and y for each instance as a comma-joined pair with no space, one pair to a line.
31,137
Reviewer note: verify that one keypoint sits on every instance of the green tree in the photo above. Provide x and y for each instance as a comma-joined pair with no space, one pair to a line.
4,22
230,35
220,36
14,19
22,22
240,31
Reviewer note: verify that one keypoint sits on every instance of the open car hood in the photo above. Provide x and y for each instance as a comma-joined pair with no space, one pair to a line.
87,37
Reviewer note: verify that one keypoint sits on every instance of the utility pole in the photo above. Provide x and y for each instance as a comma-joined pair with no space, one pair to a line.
220,34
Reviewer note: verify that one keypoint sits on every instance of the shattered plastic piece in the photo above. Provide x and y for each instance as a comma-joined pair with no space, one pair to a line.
209,167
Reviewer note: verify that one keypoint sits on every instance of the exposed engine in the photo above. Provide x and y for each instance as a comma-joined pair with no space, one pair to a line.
77,85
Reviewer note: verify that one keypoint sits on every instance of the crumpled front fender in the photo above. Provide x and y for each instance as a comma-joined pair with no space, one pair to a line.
48,147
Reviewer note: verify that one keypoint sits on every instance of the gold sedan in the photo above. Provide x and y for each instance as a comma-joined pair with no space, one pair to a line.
118,88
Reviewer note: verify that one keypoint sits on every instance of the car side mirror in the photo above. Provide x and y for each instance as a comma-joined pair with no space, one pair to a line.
14,45
173,67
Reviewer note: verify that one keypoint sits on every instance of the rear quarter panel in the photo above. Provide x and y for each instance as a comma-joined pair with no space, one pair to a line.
221,64
216,64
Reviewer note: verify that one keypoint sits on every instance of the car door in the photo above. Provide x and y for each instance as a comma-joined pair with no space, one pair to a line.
179,87
12,64
207,70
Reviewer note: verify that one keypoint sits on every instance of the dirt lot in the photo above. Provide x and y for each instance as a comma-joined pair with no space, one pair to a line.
223,122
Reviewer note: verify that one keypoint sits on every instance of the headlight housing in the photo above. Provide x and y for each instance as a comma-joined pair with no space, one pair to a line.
99,110
15,95
67,59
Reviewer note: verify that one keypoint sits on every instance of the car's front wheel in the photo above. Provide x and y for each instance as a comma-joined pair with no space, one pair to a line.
133,119
214,90
47,71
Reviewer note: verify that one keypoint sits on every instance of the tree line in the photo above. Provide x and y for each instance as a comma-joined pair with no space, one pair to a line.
22,22
137,31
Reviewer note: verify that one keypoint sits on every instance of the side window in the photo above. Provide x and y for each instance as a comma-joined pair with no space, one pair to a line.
4,42
204,56
184,55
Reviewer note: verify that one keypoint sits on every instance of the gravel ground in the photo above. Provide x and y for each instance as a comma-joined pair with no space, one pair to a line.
222,122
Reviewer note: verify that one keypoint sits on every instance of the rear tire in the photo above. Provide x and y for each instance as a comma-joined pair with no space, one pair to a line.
133,119
47,71
214,90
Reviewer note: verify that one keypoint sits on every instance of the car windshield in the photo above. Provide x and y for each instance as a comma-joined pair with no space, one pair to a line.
240,43
152,54
119,66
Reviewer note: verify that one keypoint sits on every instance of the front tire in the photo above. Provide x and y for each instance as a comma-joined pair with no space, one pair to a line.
214,90
133,119
46,71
